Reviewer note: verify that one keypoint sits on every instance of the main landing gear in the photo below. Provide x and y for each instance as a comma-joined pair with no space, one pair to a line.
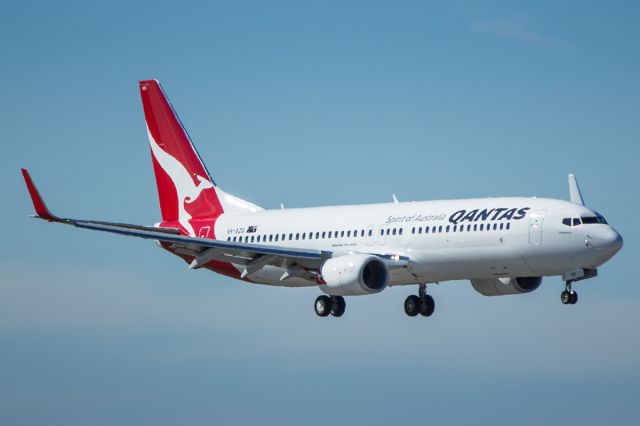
568,296
422,304
334,305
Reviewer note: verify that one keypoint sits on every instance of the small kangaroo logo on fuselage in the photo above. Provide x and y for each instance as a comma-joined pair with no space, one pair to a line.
187,191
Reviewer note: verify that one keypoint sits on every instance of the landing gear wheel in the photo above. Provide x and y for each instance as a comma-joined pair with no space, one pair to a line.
412,305
573,297
338,306
565,297
427,306
323,306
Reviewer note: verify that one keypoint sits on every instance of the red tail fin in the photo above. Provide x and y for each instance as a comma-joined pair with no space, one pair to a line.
185,187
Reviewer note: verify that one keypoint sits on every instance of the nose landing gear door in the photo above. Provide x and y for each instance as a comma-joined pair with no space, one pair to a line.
536,217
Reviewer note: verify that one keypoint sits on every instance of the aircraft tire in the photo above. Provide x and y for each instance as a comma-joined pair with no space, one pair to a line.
338,306
322,306
412,305
427,306
573,297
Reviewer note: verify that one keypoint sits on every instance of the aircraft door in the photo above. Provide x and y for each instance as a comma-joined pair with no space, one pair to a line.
371,230
381,235
536,218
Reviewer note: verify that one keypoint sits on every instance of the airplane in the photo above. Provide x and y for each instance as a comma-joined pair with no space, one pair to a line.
503,246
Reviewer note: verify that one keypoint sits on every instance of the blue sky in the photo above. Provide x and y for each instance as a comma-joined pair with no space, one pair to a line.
311,104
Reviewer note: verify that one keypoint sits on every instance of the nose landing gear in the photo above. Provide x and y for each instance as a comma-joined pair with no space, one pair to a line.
568,296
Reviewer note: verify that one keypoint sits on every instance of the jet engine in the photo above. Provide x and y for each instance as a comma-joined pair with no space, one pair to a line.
353,275
506,285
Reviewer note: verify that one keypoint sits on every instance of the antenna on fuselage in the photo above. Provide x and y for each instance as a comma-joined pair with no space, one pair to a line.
395,199
574,190
282,206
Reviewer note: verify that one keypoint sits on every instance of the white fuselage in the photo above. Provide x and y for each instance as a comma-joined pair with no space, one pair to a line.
445,240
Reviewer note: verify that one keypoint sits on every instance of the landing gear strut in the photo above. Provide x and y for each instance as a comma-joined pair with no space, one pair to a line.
334,305
568,296
422,304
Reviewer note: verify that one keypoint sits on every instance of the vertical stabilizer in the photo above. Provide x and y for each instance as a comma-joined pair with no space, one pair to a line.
574,190
185,188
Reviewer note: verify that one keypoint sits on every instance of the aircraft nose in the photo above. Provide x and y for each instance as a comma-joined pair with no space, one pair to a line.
606,239
616,244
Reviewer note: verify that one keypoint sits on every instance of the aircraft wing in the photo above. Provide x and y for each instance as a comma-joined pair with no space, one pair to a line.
300,262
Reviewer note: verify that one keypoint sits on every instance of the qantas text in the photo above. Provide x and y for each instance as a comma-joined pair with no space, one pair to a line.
488,214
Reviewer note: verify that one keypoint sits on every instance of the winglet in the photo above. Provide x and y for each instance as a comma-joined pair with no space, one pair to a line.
38,203
574,190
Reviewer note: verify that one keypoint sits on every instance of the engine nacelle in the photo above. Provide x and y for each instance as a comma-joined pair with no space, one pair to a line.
354,275
506,285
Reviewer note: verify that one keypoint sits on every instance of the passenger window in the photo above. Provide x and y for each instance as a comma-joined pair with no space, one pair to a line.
381,232
388,231
370,232
270,237
482,226
440,228
475,226
317,235
448,228
433,229
252,238
348,234
323,234
509,225
413,230
400,231
426,230
394,231
342,234
495,226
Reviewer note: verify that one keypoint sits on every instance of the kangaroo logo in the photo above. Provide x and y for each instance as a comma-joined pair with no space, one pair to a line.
187,191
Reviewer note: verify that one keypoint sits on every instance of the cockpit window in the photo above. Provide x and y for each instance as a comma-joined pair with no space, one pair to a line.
566,221
576,221
587,220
